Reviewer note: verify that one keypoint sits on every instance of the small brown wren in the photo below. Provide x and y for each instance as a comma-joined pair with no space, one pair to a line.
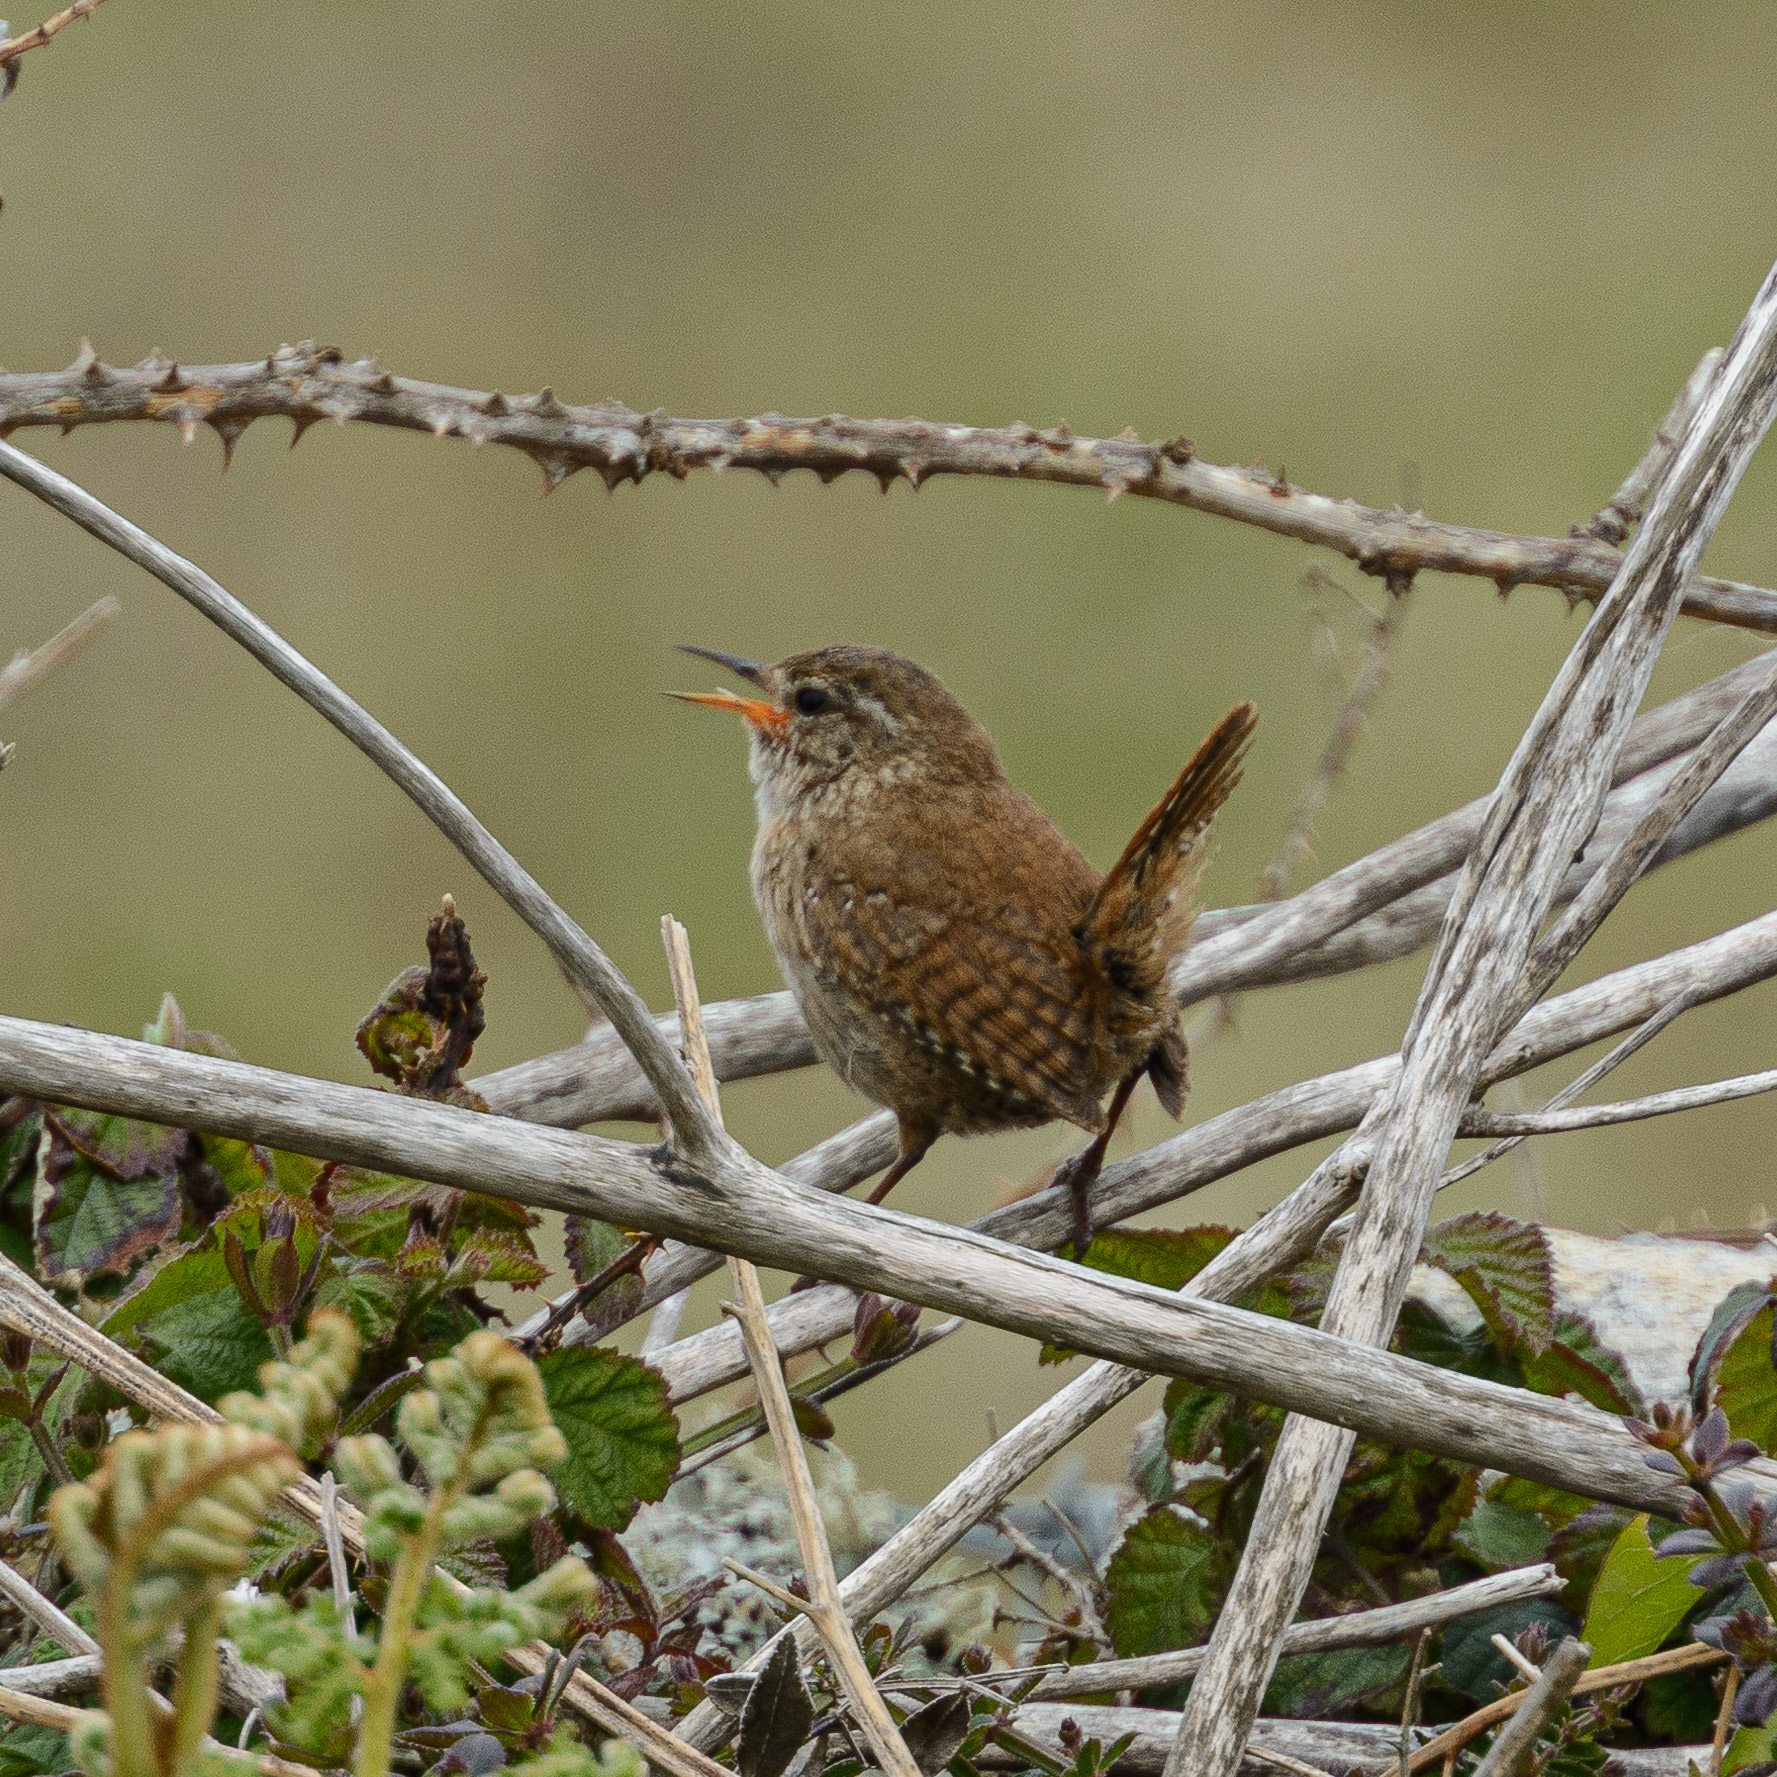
955,957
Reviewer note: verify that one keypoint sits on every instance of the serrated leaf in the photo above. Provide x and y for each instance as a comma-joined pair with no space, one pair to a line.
85,1219
776,1717
21,1465
623,1441
1504,1267
1167,1258
1473,1666
934,1732
210,1344
1637,1600
1578,1549
1745,1383
1555,1507
1193,1419
186,1272
1424,1335
591,1245
1164,1584
1309,1686
489,1257
370,1291
1740,1305
127,1149
1501,1536
1578,1362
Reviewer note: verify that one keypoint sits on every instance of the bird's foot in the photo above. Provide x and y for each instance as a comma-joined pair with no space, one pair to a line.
1077,1175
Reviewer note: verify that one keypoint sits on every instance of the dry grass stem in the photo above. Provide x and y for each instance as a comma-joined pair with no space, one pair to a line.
1602,1678
824,1606
45,1613
39,35
1512,1746
31,666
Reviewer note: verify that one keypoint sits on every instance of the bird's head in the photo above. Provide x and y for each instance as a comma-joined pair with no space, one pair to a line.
849,715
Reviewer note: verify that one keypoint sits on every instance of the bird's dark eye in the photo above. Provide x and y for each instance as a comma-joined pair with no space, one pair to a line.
811,700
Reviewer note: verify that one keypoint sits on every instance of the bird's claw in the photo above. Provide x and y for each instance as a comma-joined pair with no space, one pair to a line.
1077,1175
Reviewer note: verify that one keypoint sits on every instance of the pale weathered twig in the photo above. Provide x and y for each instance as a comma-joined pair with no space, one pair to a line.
1281,1120
304,385
1602,1678
589,971
78,1676
1544,809
1545,1699
752,1212
1641,845
35,38
45,1613
1628,1110
1582,1083
1073,1585
30,666
1527,1668
44,1712
1364,1628
823,1605
1622,511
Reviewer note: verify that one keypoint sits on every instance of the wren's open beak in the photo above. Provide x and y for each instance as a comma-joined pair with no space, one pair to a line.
750,670
758,711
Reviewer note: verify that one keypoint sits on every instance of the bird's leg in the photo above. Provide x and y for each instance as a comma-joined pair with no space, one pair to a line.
914,1144
1081,1172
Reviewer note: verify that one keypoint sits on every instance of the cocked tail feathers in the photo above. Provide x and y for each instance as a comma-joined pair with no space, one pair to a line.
1142,913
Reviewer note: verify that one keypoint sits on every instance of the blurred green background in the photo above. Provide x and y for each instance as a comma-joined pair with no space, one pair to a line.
1462,256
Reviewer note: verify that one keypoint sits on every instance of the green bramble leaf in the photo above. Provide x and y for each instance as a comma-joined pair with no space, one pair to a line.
1473,1666
106,1194
369,1290
1577,1361
1167,1258
1746,1384
1638,1599
1164,1583
210,1344
1553,1506
1306,1687
1732,1313
1504,1267
1579,1547
623,1440
1501,1536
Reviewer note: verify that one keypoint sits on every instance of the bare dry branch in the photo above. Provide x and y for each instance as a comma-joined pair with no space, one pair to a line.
588,969
1546,806
39,35
758,1215
306,384
30,666
1364,1628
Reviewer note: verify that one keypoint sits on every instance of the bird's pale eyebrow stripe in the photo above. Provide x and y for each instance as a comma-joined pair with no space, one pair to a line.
877,708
